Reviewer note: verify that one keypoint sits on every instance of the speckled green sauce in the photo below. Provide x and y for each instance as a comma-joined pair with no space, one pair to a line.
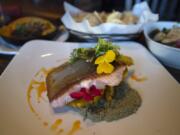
125,102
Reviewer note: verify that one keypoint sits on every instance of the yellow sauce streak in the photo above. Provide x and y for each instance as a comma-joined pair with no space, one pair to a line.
138,79
45,124
41,85
41,88
60,131
76,126
45,71
56,124
29,98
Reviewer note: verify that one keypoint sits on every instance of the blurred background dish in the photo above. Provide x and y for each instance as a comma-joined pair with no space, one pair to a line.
168,54
24,29
8,48
4,19
112,25
169,37
53,10
94,37
96,18
11,49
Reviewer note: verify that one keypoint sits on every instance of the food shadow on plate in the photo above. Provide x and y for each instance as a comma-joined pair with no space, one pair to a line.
62,109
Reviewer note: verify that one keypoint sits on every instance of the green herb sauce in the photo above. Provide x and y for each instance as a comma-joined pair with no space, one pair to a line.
126,101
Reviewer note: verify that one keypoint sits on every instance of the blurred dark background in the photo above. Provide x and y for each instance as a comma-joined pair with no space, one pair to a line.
53,9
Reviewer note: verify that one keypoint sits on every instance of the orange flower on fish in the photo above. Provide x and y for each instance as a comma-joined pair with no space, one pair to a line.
104,62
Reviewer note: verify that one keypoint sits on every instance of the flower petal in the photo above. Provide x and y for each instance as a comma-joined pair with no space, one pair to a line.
109,56
99,60
99,69
107,68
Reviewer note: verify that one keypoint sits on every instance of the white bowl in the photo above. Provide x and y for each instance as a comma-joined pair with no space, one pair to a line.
169,56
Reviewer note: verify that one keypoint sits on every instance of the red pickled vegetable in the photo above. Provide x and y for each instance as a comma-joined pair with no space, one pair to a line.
85,94
94,91
77,95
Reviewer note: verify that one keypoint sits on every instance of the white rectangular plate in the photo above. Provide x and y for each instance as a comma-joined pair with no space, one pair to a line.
158,115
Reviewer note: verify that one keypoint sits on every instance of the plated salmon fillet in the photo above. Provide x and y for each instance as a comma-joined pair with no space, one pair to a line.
69,78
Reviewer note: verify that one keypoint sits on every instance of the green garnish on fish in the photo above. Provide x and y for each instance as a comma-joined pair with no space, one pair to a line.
86,54
103,46
90,54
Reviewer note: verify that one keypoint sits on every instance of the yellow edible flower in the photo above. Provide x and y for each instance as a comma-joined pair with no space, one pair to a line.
104,61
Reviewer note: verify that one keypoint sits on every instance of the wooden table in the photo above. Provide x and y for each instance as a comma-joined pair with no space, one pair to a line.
4,60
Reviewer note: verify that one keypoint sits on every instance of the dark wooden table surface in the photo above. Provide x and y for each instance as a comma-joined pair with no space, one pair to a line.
5,59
